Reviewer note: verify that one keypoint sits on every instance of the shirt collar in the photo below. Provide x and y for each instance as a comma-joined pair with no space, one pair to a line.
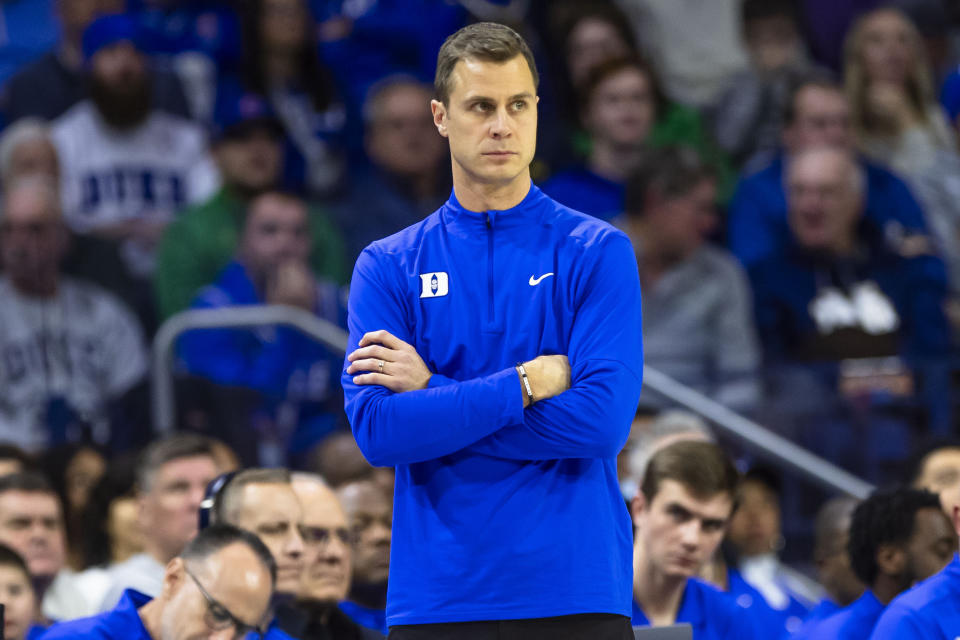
691,605
522,212
126,615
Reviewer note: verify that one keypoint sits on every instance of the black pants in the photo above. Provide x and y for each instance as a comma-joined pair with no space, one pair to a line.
589,626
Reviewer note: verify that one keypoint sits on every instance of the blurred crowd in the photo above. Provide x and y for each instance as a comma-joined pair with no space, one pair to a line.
788,172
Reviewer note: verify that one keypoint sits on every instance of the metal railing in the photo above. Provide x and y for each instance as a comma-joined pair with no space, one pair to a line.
753,437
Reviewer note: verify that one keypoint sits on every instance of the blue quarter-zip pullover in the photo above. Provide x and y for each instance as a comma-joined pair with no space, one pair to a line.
502,512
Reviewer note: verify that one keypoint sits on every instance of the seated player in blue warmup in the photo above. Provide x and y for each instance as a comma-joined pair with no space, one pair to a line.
831,531
220,586
680,514
897,537
931,610
495,360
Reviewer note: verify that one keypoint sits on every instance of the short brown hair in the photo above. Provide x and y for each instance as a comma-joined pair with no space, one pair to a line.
488,41
701,467
160,452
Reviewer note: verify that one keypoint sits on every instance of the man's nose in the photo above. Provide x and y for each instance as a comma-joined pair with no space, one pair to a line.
294,545
690,534
500,126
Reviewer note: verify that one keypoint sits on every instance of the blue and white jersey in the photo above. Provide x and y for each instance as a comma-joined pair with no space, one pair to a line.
152,171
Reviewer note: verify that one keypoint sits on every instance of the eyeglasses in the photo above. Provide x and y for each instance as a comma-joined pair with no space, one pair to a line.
320,536
218,617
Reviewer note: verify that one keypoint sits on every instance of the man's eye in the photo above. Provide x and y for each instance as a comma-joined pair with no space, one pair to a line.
519,105
220,615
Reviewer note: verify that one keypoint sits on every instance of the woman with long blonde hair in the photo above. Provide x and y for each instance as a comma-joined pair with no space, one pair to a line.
888,80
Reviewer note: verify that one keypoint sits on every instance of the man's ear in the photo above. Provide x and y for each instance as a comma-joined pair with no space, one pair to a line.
891,560
439,112
637,507
173,578
956,518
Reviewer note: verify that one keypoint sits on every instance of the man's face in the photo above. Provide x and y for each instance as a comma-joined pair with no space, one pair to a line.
169,509
683,222
401,138
275,232
756,524
490,122
371,519
326,575
773,42
233,577
834,571
821,119
678,531
119,66
272,512
250,162
931,546
941,470
824,205
31,523
622,110
32,237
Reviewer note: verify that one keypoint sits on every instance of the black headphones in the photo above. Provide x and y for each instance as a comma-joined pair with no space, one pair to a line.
211,498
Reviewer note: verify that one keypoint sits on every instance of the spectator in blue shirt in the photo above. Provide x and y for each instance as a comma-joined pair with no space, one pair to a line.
680,514
930,610
220,586
841,276
406,176
897,538
291,371
817,114
619,104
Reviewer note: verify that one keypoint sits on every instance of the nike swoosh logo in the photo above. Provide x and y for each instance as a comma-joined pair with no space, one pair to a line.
535,281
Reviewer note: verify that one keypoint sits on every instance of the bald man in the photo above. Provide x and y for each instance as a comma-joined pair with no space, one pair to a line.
844,290
325,580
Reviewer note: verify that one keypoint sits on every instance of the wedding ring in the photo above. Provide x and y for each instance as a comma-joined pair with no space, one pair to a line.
380,366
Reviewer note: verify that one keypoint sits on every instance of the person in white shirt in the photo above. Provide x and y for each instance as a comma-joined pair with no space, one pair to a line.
127,167
172,476
69,351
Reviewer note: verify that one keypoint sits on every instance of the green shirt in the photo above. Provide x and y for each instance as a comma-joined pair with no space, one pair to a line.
204,238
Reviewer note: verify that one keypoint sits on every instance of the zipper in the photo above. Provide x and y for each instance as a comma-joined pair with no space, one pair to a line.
489,271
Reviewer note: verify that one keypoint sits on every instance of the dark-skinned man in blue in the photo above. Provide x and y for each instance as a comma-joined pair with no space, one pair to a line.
495,361
897,537
931,610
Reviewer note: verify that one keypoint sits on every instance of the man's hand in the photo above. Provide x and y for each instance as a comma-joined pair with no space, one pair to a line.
549,376
392,363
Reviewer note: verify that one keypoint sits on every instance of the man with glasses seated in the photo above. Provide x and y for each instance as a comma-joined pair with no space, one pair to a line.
220,586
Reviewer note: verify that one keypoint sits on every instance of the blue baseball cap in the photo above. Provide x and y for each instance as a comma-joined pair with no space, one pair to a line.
236,112
109,30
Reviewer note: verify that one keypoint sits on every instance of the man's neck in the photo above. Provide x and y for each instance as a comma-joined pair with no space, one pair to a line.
658,595
479,196
886,588
150,615
613,162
